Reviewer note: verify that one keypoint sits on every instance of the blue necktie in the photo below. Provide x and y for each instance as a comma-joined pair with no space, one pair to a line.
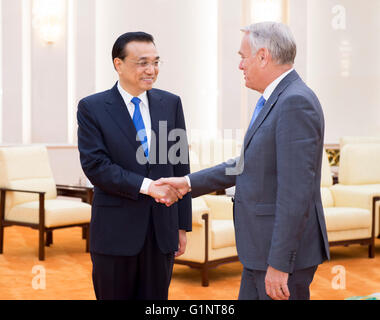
259,106
139,124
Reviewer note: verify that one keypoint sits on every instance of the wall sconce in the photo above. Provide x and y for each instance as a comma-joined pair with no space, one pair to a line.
269,10
49,19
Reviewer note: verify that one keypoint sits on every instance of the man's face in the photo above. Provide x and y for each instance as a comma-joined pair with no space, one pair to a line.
249,64
139,69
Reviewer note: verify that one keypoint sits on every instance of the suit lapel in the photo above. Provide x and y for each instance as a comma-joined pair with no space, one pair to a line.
118,111
268,106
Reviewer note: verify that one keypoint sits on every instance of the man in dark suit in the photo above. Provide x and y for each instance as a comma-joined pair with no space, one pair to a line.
279,221
133,238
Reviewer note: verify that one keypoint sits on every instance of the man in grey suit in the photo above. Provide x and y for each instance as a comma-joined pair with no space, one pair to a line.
279,222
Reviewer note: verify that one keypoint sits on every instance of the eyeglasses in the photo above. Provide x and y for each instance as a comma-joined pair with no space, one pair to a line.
146,64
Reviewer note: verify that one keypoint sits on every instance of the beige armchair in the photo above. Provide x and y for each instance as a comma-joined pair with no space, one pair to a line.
28,197
212,241
359,178
346,221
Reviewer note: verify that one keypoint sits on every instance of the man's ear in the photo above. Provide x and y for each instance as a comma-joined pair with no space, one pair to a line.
116,64
263,56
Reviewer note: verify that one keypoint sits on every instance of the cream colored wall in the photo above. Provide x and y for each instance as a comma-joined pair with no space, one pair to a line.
48,83
344,65
185,34
198,41
232,104
65,165
11,71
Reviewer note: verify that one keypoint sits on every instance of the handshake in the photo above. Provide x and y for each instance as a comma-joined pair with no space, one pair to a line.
168,190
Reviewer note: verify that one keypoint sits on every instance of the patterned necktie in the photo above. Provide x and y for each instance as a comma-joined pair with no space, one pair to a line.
259,106
139,124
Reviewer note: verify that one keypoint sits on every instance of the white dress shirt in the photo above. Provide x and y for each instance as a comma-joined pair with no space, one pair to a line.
272,86
266,95
144,108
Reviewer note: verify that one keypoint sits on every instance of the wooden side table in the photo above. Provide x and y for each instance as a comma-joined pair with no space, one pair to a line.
84,193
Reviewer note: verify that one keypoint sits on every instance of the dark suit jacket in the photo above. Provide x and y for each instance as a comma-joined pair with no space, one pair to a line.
107,145
278,214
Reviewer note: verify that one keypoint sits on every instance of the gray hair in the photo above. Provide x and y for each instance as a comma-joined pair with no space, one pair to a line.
274,36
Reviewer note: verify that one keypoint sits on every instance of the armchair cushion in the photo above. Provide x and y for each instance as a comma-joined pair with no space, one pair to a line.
340,219
221,206
359,164
223,234
348,235
57,212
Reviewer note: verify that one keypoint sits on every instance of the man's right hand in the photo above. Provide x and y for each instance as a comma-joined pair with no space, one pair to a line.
179,183
164,193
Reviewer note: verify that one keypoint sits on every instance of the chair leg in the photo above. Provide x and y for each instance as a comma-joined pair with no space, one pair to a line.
205,281
41,228
84,232
49,238
371,251
41,248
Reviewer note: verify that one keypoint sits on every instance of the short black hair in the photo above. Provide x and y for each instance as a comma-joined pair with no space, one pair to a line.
118,50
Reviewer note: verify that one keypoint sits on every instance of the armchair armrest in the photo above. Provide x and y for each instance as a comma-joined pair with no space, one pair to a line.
200,211
41,206
26,191
354,196
221,207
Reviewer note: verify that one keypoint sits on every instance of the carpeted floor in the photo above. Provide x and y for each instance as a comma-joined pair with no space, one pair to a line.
68,272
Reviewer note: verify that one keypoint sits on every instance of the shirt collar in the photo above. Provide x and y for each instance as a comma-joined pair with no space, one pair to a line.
270,88
127,97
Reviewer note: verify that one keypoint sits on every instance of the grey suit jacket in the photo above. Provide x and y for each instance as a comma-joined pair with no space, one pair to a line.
278,212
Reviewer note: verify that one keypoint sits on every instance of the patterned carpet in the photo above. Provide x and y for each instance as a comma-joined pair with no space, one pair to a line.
68,272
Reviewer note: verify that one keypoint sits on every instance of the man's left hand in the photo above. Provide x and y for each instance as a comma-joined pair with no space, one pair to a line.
276,284
182,243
